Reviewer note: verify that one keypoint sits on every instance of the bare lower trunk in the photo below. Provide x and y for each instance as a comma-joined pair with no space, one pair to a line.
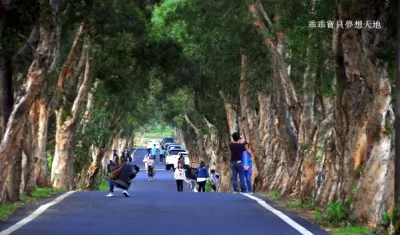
95,167
41,168
29,147
13,180
142,137
131,140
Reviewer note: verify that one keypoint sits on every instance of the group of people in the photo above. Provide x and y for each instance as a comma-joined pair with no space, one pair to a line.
194,175
241,164
125,156
153,152
121,171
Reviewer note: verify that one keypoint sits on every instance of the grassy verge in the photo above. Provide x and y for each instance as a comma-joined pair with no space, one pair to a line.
307,211
9,208
103,186
353,230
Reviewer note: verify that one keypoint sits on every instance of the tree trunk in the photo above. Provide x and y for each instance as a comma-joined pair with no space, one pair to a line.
41,167
30,145
369,115
62,169
231,114
131,140
45,111
6,88
95,167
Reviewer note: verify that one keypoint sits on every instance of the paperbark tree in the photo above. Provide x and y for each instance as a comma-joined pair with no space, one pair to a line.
46,110
62,168
28,92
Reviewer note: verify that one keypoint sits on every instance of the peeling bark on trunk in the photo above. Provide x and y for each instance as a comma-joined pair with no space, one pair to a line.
41,168
250,124
369,144
46,110
306,153
62,169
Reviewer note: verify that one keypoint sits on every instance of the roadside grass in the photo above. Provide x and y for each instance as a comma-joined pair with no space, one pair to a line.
103,186
299,204
353,230
273,195
208,188
9,208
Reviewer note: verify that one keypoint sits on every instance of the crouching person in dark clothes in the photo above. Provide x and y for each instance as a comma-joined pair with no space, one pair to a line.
120,177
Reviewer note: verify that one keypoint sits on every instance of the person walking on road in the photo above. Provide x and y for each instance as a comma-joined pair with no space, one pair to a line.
192,177
162,152
248,165
237,148
145,159
154,151
150,165
202,176
179,176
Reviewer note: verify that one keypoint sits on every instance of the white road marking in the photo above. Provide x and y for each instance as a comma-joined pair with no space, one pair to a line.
284,217
35,214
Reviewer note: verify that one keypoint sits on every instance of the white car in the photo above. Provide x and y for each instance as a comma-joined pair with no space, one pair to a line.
187,160
172,157
175,146
151,143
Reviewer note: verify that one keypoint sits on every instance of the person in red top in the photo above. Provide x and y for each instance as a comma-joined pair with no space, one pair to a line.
237,148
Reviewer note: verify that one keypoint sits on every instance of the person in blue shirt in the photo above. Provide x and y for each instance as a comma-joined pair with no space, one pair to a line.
202,176
248,165
162,152
154,152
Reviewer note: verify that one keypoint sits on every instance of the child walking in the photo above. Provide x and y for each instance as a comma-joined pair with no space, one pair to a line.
150,167
179,176
214,180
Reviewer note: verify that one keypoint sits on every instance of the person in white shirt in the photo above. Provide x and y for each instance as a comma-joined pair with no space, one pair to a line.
150,164
179,176
146,157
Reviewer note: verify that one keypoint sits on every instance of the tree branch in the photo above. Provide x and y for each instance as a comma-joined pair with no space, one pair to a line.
191,124
31,42
260,8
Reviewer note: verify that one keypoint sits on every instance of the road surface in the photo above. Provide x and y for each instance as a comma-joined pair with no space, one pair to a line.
156,208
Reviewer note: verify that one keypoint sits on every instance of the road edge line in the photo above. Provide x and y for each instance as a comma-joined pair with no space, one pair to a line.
280,214
35,214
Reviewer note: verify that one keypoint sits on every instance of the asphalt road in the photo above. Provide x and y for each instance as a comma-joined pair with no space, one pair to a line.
156,208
